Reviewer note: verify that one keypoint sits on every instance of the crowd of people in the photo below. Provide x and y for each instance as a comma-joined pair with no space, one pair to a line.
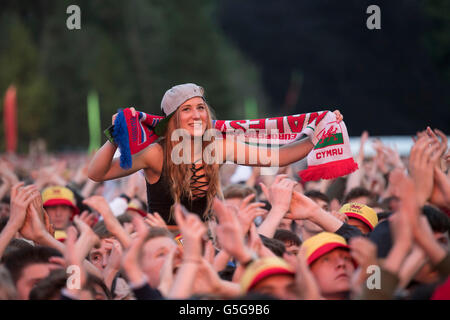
380,233
77,226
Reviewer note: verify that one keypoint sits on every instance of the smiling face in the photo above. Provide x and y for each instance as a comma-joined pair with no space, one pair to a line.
193,116
333,272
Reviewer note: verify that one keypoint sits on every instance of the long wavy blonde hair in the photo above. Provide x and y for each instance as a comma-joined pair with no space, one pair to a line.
179,175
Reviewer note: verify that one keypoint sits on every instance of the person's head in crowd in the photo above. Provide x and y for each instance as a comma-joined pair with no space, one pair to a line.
49,288
270,276
361,216
16,244
95,289
390,204
99,254
7,288
331,264
359,195
235,193
60,205
382,216
125,218
157,246
308,228
292,244
274,245
28,266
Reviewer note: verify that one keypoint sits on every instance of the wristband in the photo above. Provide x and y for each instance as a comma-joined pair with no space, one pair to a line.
123,195
109,134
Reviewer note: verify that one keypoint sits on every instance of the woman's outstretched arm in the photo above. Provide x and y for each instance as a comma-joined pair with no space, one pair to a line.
261,156
103,167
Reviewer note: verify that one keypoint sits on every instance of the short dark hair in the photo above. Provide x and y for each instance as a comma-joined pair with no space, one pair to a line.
437,219
155,232
238,191
227,273
19,259
101,231
314,194
49,287
356,193
124,218
383,215
276,246
16,244
287,236
94,280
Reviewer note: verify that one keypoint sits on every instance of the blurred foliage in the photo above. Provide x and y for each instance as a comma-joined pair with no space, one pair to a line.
285,56
131,52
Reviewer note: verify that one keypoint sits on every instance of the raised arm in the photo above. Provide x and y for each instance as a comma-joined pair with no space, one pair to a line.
103,167
259,156
254,155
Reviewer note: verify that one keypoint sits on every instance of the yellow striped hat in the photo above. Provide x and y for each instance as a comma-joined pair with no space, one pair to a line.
361,212
263,268
321,244
53,196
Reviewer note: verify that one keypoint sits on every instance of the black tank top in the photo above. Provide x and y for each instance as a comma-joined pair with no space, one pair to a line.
160,200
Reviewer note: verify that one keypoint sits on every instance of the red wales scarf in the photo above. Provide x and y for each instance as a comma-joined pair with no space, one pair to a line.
330,158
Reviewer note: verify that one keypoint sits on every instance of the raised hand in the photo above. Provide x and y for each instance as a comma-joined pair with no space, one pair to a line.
306,283
130,260
37,223
339,116
442,144
193,231
86,240
155,220
21,197
440,196
166,272
249,211
114,262
421,162
89,218
364,252
229,231
280,192
301,207
99,204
